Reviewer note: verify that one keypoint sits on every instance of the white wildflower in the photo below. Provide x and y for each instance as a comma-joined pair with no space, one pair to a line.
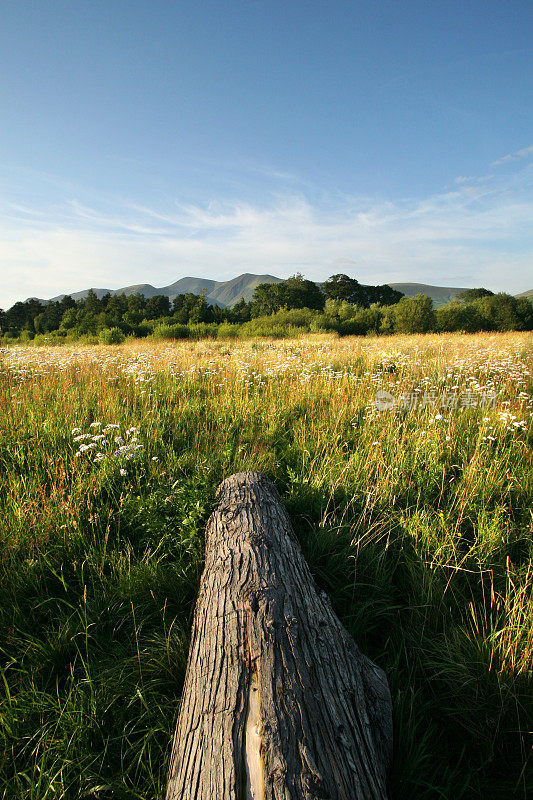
85,447
123,472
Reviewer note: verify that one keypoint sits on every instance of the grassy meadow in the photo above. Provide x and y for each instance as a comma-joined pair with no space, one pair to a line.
416,520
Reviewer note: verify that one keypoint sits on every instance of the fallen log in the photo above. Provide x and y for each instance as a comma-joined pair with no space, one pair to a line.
278,701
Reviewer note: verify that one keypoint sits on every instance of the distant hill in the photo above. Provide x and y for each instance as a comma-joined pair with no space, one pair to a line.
439,294
189,286
220,293
242,287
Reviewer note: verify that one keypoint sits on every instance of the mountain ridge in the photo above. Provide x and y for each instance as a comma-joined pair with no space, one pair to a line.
221,293
227,293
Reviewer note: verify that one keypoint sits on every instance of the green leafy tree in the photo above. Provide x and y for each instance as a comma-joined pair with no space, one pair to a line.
104,300
39,323
295,292
66,302
387,320
363,321
240,312
299,292
16,318
135,304
467,295
116,308
414,314
194,308
200,311
49,319
458,317
266,299
70,318
135,308
504,312
342,287
385,295
92,304
53,313
157,306
524,312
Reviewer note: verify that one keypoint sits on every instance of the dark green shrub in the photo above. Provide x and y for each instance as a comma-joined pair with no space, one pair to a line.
111,336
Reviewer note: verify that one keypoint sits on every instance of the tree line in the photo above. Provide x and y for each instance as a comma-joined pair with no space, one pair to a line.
341,304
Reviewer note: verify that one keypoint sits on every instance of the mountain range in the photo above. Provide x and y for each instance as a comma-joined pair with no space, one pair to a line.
219,293
227,293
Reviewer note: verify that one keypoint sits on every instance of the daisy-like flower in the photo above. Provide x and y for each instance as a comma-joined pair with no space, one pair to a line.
123,472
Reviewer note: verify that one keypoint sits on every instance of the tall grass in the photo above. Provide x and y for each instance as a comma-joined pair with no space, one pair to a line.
417,522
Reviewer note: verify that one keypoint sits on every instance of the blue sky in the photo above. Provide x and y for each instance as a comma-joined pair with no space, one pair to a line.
145,141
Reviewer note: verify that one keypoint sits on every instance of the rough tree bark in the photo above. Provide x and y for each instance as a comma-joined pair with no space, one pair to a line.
278,700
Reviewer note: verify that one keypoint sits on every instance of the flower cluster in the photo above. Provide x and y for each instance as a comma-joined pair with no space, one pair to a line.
104,442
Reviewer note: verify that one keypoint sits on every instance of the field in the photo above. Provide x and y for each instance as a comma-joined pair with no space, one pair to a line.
415,519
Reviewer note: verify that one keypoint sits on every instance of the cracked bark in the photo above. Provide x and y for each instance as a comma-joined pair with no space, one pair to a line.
278,701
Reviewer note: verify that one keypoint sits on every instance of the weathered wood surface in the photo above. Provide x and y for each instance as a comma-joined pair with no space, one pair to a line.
278,700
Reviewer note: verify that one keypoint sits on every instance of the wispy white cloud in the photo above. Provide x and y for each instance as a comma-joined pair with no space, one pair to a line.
475,179
525,152
479,233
